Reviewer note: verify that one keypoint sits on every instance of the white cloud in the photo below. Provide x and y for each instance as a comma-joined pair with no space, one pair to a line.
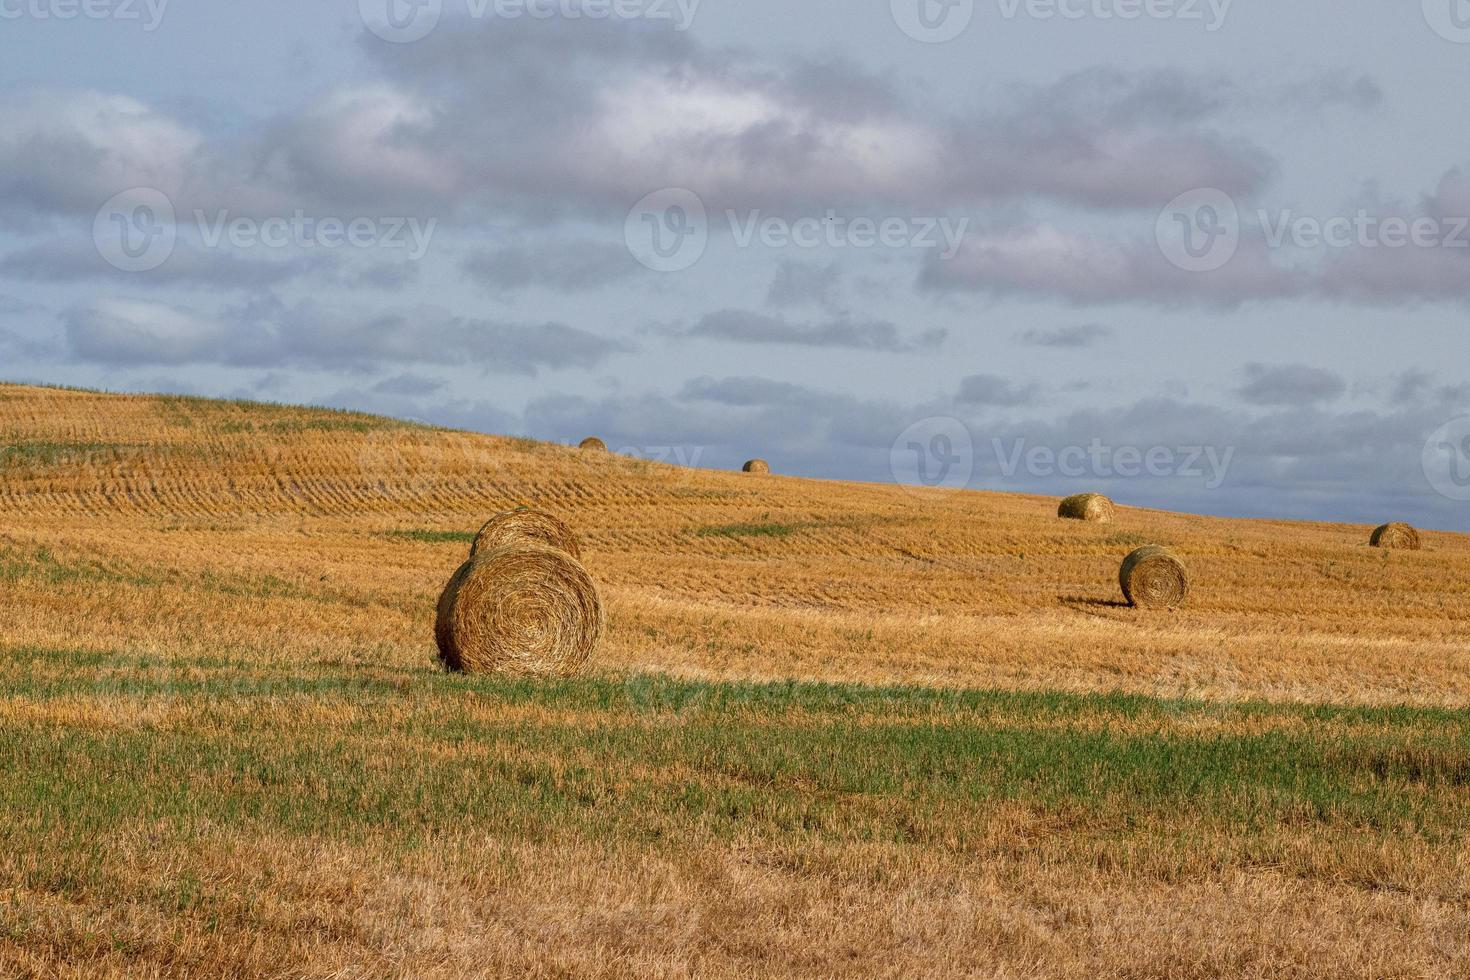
71,151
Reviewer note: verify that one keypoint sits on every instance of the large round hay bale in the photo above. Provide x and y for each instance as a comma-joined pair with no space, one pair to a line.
526,611
1092,507
593,444
756,466
526,526
1154,577
1396,535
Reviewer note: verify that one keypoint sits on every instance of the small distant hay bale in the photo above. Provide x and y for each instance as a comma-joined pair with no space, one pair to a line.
593,444
1396,535
1154,577
526,526
1093,507
756,466
526,611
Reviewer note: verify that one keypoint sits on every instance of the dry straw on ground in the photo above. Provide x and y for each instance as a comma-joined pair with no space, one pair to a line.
523,610
1154,577
1396,535
525,526
593,443
1087,507
756,466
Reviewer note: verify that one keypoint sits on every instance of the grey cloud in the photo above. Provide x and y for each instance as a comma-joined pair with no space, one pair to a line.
14,306
609,116
1329,90
757,328
1290,461
805,284
991,389
1290,384
605,116
1069,337
748,392
68,152
572,266
187,265
1111,138
131,332
267,333
1451,198
20,346
408,386
1043,260
1411,386
1395,276
390,277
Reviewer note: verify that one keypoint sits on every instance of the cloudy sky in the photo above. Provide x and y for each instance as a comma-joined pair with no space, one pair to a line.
1199,254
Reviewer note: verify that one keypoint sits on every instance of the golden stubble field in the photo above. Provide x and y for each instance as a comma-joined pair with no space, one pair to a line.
226,749
282,534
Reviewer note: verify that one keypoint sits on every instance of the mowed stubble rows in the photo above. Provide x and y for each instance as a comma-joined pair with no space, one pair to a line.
226,748
282,533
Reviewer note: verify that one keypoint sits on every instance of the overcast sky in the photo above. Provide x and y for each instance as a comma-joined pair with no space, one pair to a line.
1203,255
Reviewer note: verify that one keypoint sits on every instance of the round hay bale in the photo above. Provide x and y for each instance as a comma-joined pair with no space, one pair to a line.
525,611
1093,507
525,526
1154,577
593,444
1396,535
756,466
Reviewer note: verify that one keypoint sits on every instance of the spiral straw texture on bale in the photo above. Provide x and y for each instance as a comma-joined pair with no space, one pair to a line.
1092,507
526,526
1400,536
1154,577
526,610
756,466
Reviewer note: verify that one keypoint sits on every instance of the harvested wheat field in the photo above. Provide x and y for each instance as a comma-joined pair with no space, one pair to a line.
830,729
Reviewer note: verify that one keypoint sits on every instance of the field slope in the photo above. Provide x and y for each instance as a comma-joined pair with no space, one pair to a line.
835,728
